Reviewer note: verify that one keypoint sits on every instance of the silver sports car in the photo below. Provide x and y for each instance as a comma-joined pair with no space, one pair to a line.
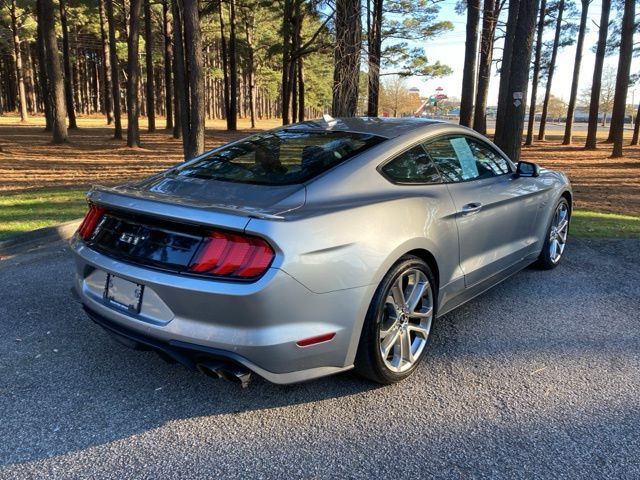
314,248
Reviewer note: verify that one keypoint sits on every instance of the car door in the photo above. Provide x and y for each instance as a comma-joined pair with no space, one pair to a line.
495,214
414,172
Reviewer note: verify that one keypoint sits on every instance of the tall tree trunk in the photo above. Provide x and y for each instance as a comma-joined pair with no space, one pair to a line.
249,26
296,42
301,89
636,129
133,74
519,79
115,72
505,69
232,119
470,56
568,128
346,71
489,21
54,72
193,44
552,67
168,53
287,32
30,80
616,126
180,74
17,61
106,64
596,84
374,40
42,71
66,58
225,62
148,46
536,74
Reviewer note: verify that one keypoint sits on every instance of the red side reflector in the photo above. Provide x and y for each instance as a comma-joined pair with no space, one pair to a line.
90,222
226,254
307,342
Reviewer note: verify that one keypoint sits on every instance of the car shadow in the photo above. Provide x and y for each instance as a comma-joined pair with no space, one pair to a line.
92,390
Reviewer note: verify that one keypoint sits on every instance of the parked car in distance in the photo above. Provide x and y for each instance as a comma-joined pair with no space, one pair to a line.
315,248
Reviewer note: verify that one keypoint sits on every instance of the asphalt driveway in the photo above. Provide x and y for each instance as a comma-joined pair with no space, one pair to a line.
539,377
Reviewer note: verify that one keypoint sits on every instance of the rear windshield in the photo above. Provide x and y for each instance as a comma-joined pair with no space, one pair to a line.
279,157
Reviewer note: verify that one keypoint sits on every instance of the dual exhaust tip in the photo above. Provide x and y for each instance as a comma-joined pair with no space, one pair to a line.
233,373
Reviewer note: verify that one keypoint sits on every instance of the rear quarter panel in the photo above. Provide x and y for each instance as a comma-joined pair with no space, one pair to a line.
341,246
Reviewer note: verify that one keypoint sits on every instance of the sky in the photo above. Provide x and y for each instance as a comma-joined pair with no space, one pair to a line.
448,48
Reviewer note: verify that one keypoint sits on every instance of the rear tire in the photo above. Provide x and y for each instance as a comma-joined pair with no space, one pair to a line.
556,237
397,326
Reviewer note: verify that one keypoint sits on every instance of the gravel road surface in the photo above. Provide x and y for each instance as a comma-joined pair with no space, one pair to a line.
540,377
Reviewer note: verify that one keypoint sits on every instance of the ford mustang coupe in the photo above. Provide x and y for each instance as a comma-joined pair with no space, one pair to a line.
314,248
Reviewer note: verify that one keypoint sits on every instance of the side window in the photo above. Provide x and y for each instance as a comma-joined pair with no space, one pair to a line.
412,166
453,158
460,159
488,158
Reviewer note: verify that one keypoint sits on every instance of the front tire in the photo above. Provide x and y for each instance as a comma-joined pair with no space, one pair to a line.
398,322
556,237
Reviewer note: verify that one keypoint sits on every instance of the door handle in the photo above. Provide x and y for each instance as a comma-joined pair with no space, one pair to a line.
471,208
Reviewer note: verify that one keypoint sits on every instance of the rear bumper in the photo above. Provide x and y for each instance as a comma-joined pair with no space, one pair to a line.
254,324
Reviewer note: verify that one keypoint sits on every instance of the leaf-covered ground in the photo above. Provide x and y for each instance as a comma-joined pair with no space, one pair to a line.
42,184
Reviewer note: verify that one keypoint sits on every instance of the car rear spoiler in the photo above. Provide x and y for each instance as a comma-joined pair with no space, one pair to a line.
175,208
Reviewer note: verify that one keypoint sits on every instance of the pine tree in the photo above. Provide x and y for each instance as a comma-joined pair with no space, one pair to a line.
470,56
133,74
622,77
54,72
596,84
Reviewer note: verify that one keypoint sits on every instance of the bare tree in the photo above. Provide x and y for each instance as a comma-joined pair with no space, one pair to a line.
17,61
133,74
636,129
115,72
374,43
193,42
54,72
490,15
470,56
518,79
597,76
232,119
505,67
533,103
42,71
249,26
552,67
225,61
106,62
576,73
148,47
346,71
66,59
622,77
189,75
168,53
287,34
181,93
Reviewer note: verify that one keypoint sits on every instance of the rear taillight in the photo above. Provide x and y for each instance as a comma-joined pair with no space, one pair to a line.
90,222
225,254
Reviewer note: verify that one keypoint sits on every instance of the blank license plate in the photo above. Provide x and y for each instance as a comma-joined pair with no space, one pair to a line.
123,294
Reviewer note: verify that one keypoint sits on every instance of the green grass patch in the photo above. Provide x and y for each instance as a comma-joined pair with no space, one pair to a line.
22,212
604,225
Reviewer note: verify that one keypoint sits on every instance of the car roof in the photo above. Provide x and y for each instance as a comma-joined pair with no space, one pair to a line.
383,127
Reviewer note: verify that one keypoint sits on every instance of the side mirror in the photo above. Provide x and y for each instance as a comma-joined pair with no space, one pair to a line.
527,169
